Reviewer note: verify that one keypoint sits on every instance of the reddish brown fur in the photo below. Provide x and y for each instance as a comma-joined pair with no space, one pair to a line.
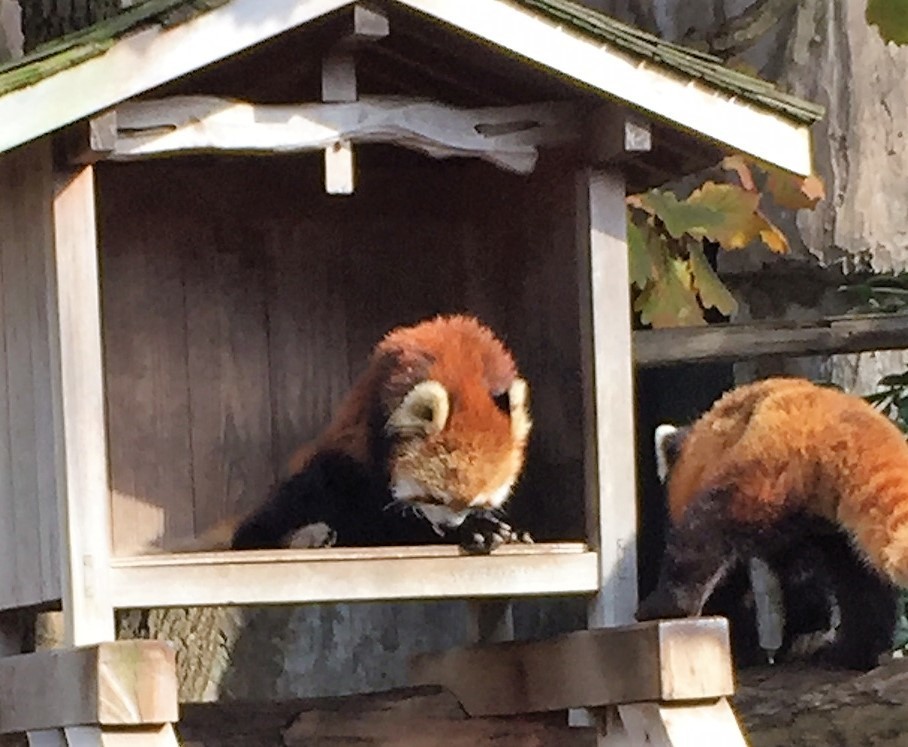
784,445
478,454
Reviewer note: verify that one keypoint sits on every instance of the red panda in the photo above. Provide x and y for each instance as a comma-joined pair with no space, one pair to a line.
782,466
427,445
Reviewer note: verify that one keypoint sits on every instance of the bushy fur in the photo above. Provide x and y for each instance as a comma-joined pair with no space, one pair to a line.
425,448
786,470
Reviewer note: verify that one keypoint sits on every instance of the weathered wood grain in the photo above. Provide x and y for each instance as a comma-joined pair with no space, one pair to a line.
145,358
80,456
407,717
677,660
119,683
228,364
733,342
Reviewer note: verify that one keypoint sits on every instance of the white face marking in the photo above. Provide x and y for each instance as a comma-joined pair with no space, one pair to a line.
440,516
663,433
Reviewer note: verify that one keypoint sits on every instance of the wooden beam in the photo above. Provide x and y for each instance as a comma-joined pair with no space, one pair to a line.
732,342
78,411
90,140
346,574
505,136
605,333
122,683
617,135
663,661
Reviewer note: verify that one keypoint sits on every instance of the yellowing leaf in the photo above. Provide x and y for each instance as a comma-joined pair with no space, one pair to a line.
741,167
670,301
794,192
773,237
708,285
738,223
644,254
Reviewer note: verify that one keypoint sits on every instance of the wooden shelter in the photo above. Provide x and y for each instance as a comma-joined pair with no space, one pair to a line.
179,311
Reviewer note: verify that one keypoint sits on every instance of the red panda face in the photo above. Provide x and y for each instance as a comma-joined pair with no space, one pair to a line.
458,435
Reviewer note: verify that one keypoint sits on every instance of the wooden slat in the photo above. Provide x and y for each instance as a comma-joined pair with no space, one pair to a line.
732,342
675,660
15,585
28,483
330,575
78,400
605,329
117,683
307,332
227,349
17,308
146,370
683,725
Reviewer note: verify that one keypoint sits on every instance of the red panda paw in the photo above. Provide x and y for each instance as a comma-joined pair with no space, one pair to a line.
482,532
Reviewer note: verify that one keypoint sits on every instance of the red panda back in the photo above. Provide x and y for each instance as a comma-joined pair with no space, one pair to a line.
785,445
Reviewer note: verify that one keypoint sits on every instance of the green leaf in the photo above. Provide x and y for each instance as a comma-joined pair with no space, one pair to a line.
670,301
707,283
678,217
645,254
891,19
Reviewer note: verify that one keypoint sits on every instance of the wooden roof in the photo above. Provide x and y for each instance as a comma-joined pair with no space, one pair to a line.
158,41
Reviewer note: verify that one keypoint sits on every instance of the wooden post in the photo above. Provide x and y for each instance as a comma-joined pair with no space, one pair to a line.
78,405
491,621
605,317
111,694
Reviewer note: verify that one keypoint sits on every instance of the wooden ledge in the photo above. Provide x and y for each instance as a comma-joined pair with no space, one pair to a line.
122,683
660,662
350,574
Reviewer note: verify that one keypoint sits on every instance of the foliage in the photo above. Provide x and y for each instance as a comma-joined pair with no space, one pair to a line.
674,280
891,19
887,293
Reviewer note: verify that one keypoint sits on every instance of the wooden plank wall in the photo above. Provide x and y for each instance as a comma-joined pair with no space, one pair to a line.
30,571
239,301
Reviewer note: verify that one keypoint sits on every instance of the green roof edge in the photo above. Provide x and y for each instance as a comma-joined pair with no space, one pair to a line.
694,63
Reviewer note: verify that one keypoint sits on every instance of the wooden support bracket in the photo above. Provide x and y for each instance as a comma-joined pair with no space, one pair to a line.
664,661
339,86
90,140
617,135
129,685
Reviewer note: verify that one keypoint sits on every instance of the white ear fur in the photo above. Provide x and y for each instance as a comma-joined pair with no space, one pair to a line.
663,433
424,410
518,394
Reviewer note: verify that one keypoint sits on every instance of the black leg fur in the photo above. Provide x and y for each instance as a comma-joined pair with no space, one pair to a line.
701,549
868,605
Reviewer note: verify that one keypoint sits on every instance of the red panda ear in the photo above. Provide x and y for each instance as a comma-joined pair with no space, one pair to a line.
424,411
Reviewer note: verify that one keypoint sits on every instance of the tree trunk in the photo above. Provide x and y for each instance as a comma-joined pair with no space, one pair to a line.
10,30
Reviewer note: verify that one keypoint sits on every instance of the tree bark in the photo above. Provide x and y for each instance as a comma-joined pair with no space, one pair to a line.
811,707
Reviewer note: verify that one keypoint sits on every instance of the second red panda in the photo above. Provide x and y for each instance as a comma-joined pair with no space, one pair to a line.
781,462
